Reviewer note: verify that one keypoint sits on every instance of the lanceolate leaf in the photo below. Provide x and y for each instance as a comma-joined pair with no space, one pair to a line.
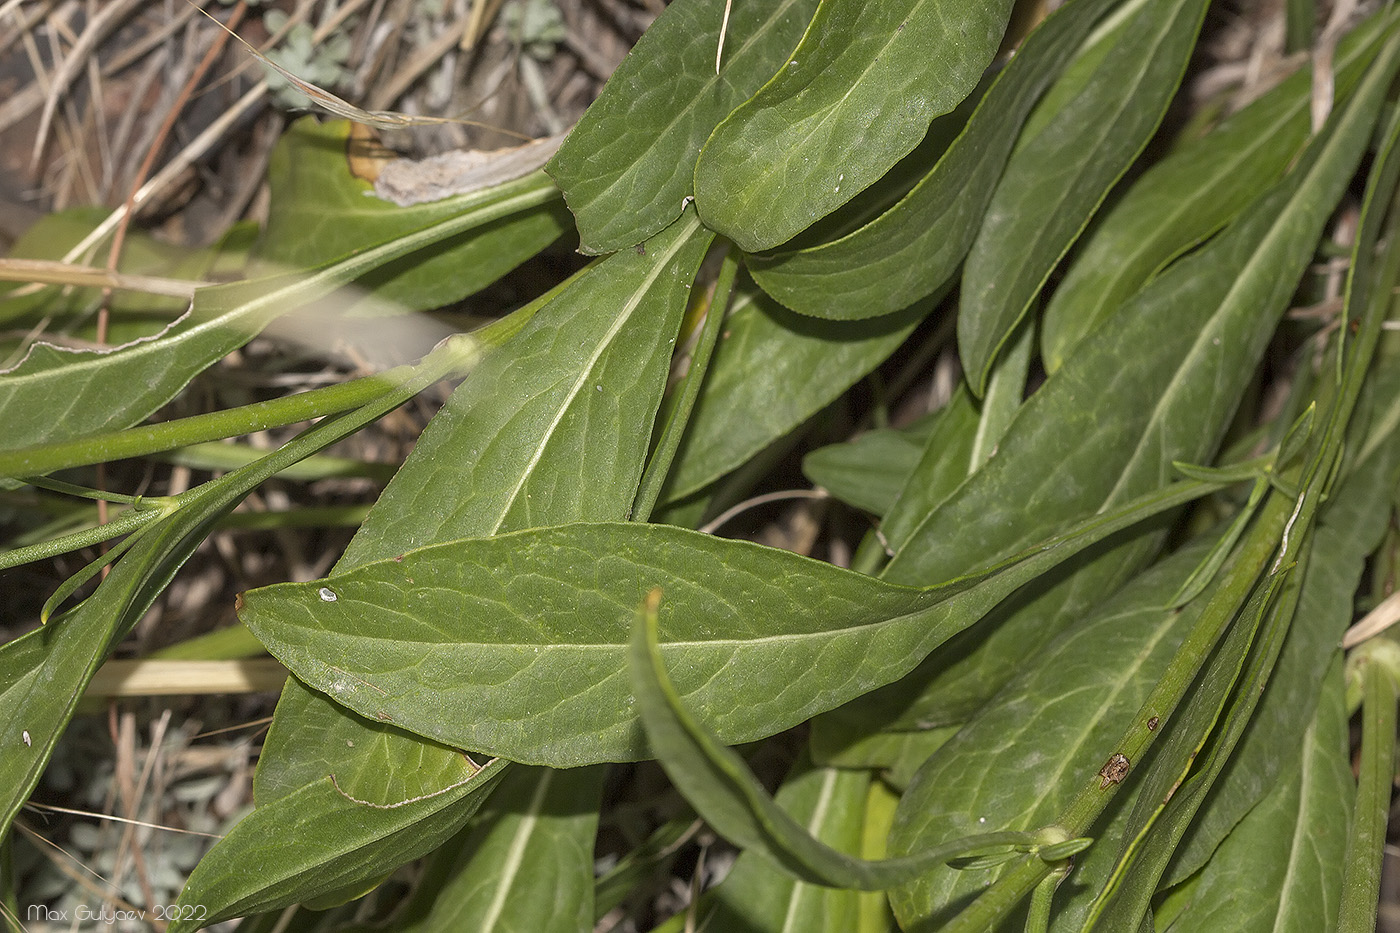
915,247
1184,767
339,842
54,394
854,97
1187,196
1351,528
579,385
944,463
626,169
1140,866
1098,429
1279,870
514,645
573,395
1055,182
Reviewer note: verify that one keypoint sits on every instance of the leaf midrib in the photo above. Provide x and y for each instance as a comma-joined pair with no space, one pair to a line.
634,300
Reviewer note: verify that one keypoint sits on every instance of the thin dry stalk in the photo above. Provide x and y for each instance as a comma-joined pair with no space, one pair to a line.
107,19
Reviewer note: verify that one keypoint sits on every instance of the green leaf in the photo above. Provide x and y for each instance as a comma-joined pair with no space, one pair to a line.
914,248
1280,868
526,862
340,841
1143,858
454,641
757,897
43,673
1006,389
1375,665
319,211
1211,564
722,789
842,741
1198,188
626,169
371,760
680,402
1021,759
1098,430
1350,529
58,393
869,471
573,395
771,371
1201,734
806,143
943,465
1055,182
608,329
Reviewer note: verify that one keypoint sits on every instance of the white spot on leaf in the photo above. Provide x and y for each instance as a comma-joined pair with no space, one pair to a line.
327,594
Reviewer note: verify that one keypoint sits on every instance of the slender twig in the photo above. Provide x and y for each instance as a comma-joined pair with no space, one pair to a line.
711,527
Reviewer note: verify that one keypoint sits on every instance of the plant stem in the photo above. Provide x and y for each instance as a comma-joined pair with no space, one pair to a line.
660,465
245,419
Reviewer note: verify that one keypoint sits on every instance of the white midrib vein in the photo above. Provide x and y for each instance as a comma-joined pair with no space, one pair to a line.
799,889
663,261
1259,264
1301,828
516,854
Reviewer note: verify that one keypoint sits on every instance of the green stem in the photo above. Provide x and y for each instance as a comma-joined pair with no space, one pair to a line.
1021,878
183,432
660,464
82,492
125,523
1038,916
245,419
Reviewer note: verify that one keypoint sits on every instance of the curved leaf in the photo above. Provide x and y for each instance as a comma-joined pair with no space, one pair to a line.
855,97
915,247
723,790
1055,182
626,169
515,644
1190,194
339,842
1280,869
